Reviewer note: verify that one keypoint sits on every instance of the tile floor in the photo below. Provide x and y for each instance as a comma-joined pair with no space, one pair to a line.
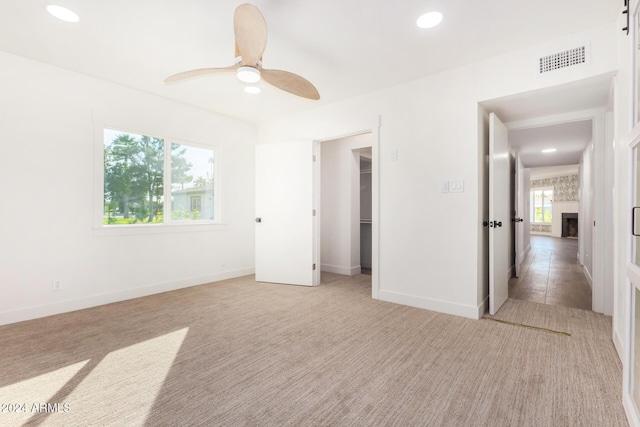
551,274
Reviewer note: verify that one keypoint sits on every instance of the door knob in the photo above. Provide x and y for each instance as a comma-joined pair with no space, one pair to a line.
498,223
258,219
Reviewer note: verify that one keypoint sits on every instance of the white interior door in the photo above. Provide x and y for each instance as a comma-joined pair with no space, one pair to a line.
519,229
285,221
499,213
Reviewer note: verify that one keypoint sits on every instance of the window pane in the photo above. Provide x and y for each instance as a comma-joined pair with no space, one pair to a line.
191,183
538,215
133,178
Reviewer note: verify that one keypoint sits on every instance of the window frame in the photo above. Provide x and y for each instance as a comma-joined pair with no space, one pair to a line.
532,207
170,225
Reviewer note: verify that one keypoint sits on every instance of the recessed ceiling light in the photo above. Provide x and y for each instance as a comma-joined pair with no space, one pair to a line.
252,89
63,13
249,74
549,150
429,20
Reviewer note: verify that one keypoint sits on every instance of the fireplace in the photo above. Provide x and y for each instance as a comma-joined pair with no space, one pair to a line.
570,225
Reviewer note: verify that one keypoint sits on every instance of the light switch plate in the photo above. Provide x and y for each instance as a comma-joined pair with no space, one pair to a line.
456,186
444,186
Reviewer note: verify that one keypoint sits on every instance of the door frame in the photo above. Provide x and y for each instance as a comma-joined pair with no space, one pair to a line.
328,132
632,282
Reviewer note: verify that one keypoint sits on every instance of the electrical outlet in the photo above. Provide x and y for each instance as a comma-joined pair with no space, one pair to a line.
56,285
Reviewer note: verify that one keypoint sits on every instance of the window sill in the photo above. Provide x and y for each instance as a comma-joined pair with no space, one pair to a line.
138,230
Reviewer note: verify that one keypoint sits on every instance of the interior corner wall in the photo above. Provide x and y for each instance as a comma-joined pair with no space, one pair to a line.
429,134
340,204
47,176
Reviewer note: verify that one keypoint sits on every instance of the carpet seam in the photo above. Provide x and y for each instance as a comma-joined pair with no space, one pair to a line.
521,325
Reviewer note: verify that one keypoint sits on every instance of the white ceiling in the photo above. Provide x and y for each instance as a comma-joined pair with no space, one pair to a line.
570,140
345,48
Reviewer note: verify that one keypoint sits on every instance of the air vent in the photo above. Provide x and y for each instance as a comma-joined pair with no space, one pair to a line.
568,58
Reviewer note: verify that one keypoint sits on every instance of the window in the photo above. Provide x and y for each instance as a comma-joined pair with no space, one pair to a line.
142,172
196,203
541,205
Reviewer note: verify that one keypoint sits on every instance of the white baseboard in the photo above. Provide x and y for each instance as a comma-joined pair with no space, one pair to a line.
468,311
588,276
483,307
629,410
28,313
540,233
346,271
617,343
524,253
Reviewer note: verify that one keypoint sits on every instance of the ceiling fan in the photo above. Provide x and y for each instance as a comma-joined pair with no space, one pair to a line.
251,39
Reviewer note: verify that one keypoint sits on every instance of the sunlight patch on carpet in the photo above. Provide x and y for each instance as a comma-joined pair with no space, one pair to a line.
18,399
133,376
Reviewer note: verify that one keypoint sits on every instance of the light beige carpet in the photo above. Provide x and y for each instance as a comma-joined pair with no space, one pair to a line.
239,353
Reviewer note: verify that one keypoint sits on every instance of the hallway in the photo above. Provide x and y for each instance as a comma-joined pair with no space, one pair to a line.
551,274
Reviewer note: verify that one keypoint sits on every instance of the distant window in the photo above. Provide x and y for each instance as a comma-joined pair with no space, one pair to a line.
541,205
142,172
196,203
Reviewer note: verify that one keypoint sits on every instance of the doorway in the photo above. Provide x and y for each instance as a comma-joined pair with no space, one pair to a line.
584,100
346,205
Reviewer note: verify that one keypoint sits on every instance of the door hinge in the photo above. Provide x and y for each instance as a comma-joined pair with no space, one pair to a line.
314,157
314,266
313,212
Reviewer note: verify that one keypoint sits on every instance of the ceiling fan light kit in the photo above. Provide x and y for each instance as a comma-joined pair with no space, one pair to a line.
248,74
251,39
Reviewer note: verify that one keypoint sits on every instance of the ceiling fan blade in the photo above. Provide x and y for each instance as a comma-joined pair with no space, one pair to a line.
291,83
251,33
186,75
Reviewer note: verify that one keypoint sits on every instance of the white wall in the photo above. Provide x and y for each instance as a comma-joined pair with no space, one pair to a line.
48,119
340,204
433,123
